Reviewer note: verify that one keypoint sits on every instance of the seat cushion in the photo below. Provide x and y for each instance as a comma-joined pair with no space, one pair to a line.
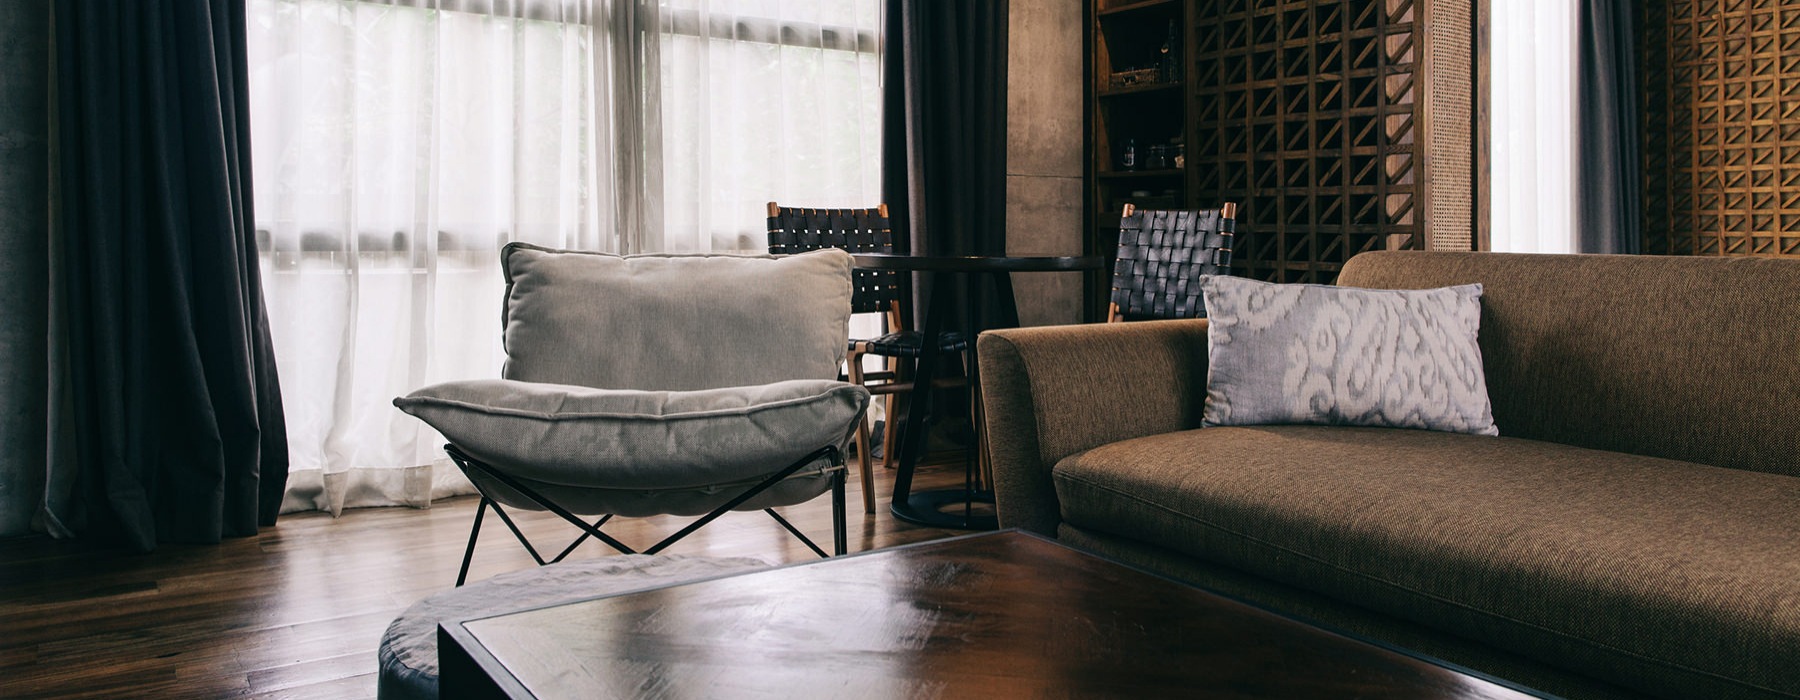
909,344
642,452
1672,578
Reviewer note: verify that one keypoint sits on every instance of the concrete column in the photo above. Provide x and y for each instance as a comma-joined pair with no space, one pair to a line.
1044,145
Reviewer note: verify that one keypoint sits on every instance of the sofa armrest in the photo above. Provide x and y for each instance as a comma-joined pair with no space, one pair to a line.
1053,391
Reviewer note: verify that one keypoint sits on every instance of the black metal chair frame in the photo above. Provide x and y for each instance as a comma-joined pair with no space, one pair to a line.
469,465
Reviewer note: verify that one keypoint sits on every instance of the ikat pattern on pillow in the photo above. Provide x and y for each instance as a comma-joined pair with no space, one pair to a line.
1293,353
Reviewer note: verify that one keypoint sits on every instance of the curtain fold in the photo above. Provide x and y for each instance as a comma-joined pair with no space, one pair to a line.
171,426
1608,209
946,149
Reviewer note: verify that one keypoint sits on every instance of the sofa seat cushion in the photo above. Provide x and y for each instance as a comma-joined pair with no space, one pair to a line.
1673,578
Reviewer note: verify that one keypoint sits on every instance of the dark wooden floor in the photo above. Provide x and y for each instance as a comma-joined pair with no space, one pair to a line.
297,611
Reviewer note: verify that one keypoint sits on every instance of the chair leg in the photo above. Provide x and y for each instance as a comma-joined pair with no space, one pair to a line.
520,534
863,460
466,463
469,554
831,452
863,466
890,431
840,534
795,532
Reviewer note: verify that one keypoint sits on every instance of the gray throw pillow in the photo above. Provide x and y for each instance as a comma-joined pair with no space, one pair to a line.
1302,353
611,440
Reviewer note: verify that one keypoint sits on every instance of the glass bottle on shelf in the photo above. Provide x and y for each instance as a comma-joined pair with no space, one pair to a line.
1168,67
1128,159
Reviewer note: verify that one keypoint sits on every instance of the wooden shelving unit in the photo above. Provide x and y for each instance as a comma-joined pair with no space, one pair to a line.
1306,113
1128,38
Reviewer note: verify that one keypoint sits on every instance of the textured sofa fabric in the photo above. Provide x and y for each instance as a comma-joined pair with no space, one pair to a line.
1680,357
1661,559
1606,560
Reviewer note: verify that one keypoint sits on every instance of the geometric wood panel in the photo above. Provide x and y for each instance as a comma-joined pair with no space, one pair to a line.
1719,101
1306,113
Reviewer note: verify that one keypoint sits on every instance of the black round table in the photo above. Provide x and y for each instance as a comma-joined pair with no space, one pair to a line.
930,507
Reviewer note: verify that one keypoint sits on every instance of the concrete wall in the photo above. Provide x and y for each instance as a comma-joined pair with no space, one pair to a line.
1043,161
24,231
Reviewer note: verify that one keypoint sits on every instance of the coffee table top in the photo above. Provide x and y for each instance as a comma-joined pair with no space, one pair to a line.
997,614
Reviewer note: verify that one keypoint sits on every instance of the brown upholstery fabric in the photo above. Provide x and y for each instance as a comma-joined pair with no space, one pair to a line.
1339,616
1696,359
1053,391
1670,578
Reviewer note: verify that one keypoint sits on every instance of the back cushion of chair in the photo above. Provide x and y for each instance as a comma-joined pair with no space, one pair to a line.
673,322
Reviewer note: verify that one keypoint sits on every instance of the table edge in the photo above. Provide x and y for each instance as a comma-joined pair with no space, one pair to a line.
514,688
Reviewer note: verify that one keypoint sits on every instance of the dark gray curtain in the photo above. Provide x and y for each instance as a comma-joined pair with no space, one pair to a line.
1608,203
944,125
177,427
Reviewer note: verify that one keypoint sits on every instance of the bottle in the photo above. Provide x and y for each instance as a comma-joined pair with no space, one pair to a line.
1128,160
1166,63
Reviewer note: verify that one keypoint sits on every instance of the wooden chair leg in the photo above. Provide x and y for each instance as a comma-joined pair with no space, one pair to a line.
891,431
863,461
862,465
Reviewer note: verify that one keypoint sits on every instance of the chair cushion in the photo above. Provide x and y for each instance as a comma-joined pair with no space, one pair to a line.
673,322
909,344
642,452
1309,353
1672,578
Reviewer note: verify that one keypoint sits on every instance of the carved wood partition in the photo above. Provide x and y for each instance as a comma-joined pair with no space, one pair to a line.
1719,88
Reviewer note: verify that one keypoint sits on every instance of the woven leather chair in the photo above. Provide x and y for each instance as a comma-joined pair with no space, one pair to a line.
798,230
1162,254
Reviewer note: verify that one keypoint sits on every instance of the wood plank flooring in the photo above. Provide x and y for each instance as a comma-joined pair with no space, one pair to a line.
298,610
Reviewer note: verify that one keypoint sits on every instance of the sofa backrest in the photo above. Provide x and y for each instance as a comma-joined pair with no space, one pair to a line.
1688,358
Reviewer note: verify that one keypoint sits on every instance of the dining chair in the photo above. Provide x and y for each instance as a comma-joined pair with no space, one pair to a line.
1162,254
799,230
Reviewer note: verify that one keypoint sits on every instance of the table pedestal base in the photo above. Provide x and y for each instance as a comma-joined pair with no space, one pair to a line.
948,508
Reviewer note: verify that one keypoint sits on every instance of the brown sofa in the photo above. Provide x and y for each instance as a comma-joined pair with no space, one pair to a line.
1634,530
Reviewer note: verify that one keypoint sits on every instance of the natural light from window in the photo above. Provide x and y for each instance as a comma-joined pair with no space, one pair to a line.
1533,126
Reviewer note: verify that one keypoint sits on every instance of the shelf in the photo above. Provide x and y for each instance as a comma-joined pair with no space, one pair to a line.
1139,6
1140,89
1140,174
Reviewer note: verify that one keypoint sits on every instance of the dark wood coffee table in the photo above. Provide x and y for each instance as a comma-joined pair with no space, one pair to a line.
992,615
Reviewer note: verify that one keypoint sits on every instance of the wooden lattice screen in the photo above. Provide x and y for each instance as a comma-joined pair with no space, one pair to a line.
1719,89
1309,114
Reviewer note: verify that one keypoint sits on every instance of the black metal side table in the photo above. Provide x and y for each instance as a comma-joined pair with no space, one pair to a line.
929,507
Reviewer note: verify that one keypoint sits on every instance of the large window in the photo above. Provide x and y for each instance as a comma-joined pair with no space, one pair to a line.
1533,124
397,145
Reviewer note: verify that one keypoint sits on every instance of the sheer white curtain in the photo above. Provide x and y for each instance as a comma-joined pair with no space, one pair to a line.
399,144
1533,126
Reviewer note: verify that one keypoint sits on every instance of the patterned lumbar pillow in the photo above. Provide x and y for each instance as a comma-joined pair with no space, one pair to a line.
1302,353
